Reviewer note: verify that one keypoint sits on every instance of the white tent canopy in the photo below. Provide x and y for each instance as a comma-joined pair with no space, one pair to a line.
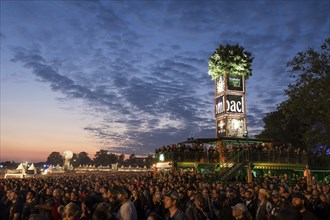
20,167
32,167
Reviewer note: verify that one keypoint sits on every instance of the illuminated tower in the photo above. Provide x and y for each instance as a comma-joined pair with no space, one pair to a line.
229,67
229,106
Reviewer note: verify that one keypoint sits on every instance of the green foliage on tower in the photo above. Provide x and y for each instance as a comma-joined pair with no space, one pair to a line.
231,59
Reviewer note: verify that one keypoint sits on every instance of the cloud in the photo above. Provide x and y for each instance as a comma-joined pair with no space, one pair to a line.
159,106
140,68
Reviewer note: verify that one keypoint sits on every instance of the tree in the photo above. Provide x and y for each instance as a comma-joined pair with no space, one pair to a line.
231,59
309,95
74,160
149,160
101,158
113,158
55,158
132,160
282,127
305,116
84,159
121,159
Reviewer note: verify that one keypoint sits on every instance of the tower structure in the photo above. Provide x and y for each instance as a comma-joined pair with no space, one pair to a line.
67,157
229,105
229,67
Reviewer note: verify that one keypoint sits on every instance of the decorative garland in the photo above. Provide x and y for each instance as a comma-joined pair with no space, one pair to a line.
230,59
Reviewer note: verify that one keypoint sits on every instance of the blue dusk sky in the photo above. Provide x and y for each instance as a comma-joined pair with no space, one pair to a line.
131,76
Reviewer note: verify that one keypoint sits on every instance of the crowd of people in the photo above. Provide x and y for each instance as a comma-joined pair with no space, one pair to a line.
163,195
257,151
259,147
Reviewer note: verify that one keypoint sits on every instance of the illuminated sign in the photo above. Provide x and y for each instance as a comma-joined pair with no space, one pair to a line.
219,105
161,157
220,84
234,104
235,127
235,82
221,127
164,165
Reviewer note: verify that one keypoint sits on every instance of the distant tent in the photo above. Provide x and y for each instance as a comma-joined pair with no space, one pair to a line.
33,168
20,167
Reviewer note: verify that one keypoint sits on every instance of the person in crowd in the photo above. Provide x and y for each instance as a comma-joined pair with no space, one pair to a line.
184,199
308,176
195,210
191,195
71,212
74,197
215,203
323,208
137,201
315,201
225,210
50,207
38,217
154,216
289,213
264,206
277,204
240,212
157,205
250,202
29,205
66,197
127,209
298,202
2,204
172,204
206,195
102,211
16,207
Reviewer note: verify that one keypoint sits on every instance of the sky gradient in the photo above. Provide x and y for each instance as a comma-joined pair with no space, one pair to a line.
131,76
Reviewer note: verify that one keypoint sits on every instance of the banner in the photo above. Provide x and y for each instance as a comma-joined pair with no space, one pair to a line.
234,104
220,84
221,127
219,105
235,127
235,82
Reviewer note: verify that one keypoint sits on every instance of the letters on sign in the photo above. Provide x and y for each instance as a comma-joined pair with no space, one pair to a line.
234,104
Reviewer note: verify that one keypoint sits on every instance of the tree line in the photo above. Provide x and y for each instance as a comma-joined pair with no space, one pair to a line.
304,118
101,158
